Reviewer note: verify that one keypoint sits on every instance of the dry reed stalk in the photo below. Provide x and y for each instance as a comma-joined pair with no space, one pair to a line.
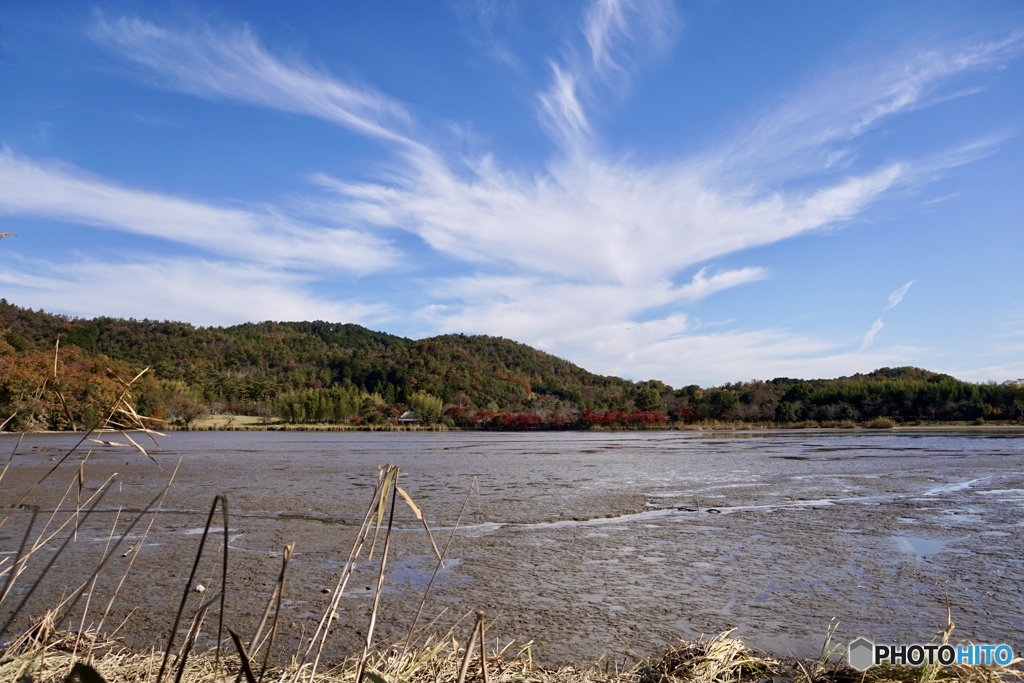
78,499
280,589
4,423
323,627
245,668
389,473
483,645
255,643
392,476
469,647
419,515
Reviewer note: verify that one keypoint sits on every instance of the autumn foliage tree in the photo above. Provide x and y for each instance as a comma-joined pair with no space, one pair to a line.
65,389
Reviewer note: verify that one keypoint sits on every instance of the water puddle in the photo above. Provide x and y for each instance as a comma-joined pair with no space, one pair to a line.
918,546
417,571
1006,495
953,487
410,573
647,515
197,531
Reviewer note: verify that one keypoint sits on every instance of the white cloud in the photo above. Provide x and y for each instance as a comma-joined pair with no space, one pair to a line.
707,359
231,64
199,291
988,373
703,286
1000,353
485,23
814,126
587,217
617,30
577,254
597,327
562,111
47,190
594,220
574,319
915,81
869,336
618,33
896,297
604,19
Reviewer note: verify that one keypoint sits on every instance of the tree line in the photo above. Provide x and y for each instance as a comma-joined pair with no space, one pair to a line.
320,372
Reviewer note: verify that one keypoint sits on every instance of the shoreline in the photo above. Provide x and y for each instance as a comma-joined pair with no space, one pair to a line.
1006,427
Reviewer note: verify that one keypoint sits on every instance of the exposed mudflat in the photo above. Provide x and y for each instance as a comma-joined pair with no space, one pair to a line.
590,543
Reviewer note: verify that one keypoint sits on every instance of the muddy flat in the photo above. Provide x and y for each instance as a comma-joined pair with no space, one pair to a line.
589,543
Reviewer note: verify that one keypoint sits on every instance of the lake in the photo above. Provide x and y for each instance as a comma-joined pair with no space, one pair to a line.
591,543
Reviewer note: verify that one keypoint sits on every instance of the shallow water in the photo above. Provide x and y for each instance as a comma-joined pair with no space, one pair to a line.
592,543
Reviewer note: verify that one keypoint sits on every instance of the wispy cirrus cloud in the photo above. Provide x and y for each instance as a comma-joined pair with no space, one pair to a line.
618,34
897,296
201,291
700,357
816,127
261,235
869,336
573,255
484,21
233,65
534,307
703,285
621,33
600,327
561,109
892,301
588,216
593,219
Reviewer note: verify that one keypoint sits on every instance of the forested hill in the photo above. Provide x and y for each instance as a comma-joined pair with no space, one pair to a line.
305,372
252,366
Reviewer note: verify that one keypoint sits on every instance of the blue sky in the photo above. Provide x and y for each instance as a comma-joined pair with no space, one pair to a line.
699,192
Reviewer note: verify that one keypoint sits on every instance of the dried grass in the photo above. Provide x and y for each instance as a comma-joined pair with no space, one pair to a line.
46,655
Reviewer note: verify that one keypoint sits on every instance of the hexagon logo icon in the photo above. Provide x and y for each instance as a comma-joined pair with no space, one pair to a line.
860,654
